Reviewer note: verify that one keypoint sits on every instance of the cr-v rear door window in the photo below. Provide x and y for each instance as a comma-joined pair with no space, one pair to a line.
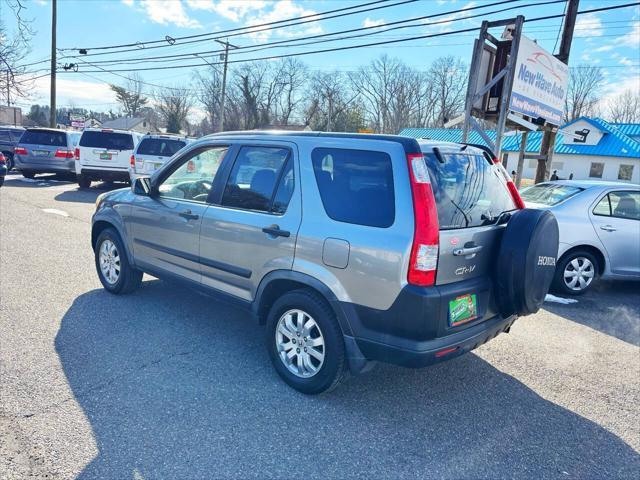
44,137
356,186
160,147
107,140
253,178
468,189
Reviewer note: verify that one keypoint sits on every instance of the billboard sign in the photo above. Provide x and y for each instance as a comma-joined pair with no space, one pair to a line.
539,83
77,121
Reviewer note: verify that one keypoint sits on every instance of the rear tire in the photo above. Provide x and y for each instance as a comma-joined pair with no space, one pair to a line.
575,273
27,174
319,371
9,161
83,181
116,274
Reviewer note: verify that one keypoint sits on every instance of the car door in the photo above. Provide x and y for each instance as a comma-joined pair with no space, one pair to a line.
252,228
616,219
165,226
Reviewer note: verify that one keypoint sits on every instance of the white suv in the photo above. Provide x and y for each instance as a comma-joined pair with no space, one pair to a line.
153,151
104,154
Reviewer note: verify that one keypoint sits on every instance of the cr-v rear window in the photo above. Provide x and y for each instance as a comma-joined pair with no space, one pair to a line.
108,140
162,147
44,137
468,189
356,186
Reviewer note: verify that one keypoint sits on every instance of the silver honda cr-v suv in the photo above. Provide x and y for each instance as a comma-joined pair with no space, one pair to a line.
350,248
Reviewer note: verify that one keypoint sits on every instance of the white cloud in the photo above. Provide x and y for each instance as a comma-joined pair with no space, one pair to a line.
591,24
282,10
78,92
632,38
603,48
166,12
444,24
232,9
625,61
369,22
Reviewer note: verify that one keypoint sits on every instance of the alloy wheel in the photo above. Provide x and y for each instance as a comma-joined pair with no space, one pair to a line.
109,262
300,343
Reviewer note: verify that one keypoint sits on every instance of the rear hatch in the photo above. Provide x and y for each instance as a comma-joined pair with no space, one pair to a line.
473,201
152,153
44,148
106,149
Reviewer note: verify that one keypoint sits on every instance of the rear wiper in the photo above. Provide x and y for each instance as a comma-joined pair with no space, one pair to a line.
499,220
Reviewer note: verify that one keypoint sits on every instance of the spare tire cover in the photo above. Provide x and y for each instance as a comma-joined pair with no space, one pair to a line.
526,261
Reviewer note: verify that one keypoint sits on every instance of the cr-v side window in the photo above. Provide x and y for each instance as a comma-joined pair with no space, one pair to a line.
193,178
253,179
356,186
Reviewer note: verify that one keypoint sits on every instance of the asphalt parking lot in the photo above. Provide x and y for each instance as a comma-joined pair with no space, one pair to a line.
167,383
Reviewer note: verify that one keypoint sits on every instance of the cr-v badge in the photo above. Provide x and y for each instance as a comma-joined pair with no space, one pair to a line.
464,270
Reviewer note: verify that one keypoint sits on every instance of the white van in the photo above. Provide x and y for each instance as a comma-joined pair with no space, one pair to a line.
104,154
153,151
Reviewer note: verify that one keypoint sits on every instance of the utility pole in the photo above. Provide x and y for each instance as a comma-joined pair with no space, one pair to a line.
52,102
549,136
223,96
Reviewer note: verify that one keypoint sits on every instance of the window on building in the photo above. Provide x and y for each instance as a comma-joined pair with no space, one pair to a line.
625,172
596,170
557,165
533,163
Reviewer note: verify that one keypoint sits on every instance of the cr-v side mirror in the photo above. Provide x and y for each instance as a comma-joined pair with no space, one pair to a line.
142,186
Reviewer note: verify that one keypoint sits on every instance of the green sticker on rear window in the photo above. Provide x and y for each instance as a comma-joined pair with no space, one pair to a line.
463,309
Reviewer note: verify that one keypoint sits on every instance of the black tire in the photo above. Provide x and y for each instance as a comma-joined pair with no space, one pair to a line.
334,368
559,284
27,174
129,278
83,181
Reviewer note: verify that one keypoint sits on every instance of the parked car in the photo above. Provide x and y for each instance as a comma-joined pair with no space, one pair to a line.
153,151
44,150
599,230
104,154
3,168
351,248
9,137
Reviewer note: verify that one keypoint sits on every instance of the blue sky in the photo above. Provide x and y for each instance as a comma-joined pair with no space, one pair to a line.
609,39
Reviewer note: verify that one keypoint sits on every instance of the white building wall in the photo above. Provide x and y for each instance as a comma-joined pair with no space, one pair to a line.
580,166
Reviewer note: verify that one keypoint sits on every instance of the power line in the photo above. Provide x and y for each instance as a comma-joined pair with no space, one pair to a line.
351,47
379,29
232,32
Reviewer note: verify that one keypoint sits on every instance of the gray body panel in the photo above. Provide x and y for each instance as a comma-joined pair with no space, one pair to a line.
41,158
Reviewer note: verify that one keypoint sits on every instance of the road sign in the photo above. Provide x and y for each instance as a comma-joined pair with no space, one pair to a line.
539,84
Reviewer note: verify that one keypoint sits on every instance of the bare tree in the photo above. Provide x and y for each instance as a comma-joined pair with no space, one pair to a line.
14,81
131,97
209,95
394,95
625,108
249,90
449,78
292,76
332,105
585,83
174,105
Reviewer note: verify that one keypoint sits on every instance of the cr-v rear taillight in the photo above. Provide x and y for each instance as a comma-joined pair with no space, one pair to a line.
426,236
513,190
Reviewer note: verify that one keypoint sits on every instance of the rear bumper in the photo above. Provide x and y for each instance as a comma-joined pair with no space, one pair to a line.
107,175
437,350
415,329
54,166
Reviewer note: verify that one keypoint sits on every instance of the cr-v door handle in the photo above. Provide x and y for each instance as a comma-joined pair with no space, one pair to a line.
463,252
188,215
275,231
608,228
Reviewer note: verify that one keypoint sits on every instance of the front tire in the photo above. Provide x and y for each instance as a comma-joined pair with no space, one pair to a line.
83,181
575,273
116,274
27,174
305,342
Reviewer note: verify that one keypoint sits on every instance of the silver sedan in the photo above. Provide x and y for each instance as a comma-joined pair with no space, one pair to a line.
599,230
